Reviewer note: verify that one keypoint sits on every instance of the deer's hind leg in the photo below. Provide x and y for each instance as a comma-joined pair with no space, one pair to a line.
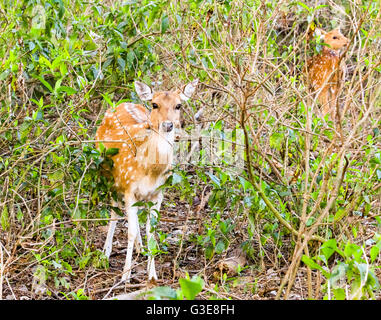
107,248
138,240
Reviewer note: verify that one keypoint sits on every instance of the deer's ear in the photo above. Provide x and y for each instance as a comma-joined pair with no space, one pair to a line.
319,32
144,92
189,90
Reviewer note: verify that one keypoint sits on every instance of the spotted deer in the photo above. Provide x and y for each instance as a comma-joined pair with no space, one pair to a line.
145,142
324,72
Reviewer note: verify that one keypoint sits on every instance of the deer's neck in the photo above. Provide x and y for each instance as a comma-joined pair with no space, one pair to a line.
330,52
157,152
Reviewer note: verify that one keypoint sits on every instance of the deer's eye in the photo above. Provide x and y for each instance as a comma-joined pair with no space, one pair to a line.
155,106
178,106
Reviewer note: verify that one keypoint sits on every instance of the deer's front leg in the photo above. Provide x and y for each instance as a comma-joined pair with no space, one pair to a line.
133,232
333,100
323,99
150,236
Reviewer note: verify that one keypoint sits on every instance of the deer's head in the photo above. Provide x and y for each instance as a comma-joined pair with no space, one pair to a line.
335,39
166,105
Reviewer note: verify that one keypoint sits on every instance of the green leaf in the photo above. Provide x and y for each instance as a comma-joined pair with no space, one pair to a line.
58,84
214,179
337,273
220,247
328,248
38,115
224,226
108,100
56,176
68,90
363,269
163,292
191,288
374,252
83,261
304,6
43,61
76,214
176,178
209,251
101,146
276,140
312,264
320,6
4,219
131,59
245,184
46,84
122,64
164,24
112,152
339,214
351,249
118,211
339,293
24,130
139,204
152,244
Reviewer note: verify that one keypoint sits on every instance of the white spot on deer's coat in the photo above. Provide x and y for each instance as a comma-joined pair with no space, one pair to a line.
134,112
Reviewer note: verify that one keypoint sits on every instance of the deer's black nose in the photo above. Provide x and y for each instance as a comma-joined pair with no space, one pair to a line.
167,126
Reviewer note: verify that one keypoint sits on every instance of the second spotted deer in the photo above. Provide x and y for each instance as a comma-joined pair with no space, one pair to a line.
325,73
145,142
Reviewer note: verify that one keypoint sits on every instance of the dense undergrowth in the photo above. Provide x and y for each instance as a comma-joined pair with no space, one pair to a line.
304,199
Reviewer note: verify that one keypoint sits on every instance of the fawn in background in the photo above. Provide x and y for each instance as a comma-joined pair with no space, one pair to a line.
145,141
324,72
